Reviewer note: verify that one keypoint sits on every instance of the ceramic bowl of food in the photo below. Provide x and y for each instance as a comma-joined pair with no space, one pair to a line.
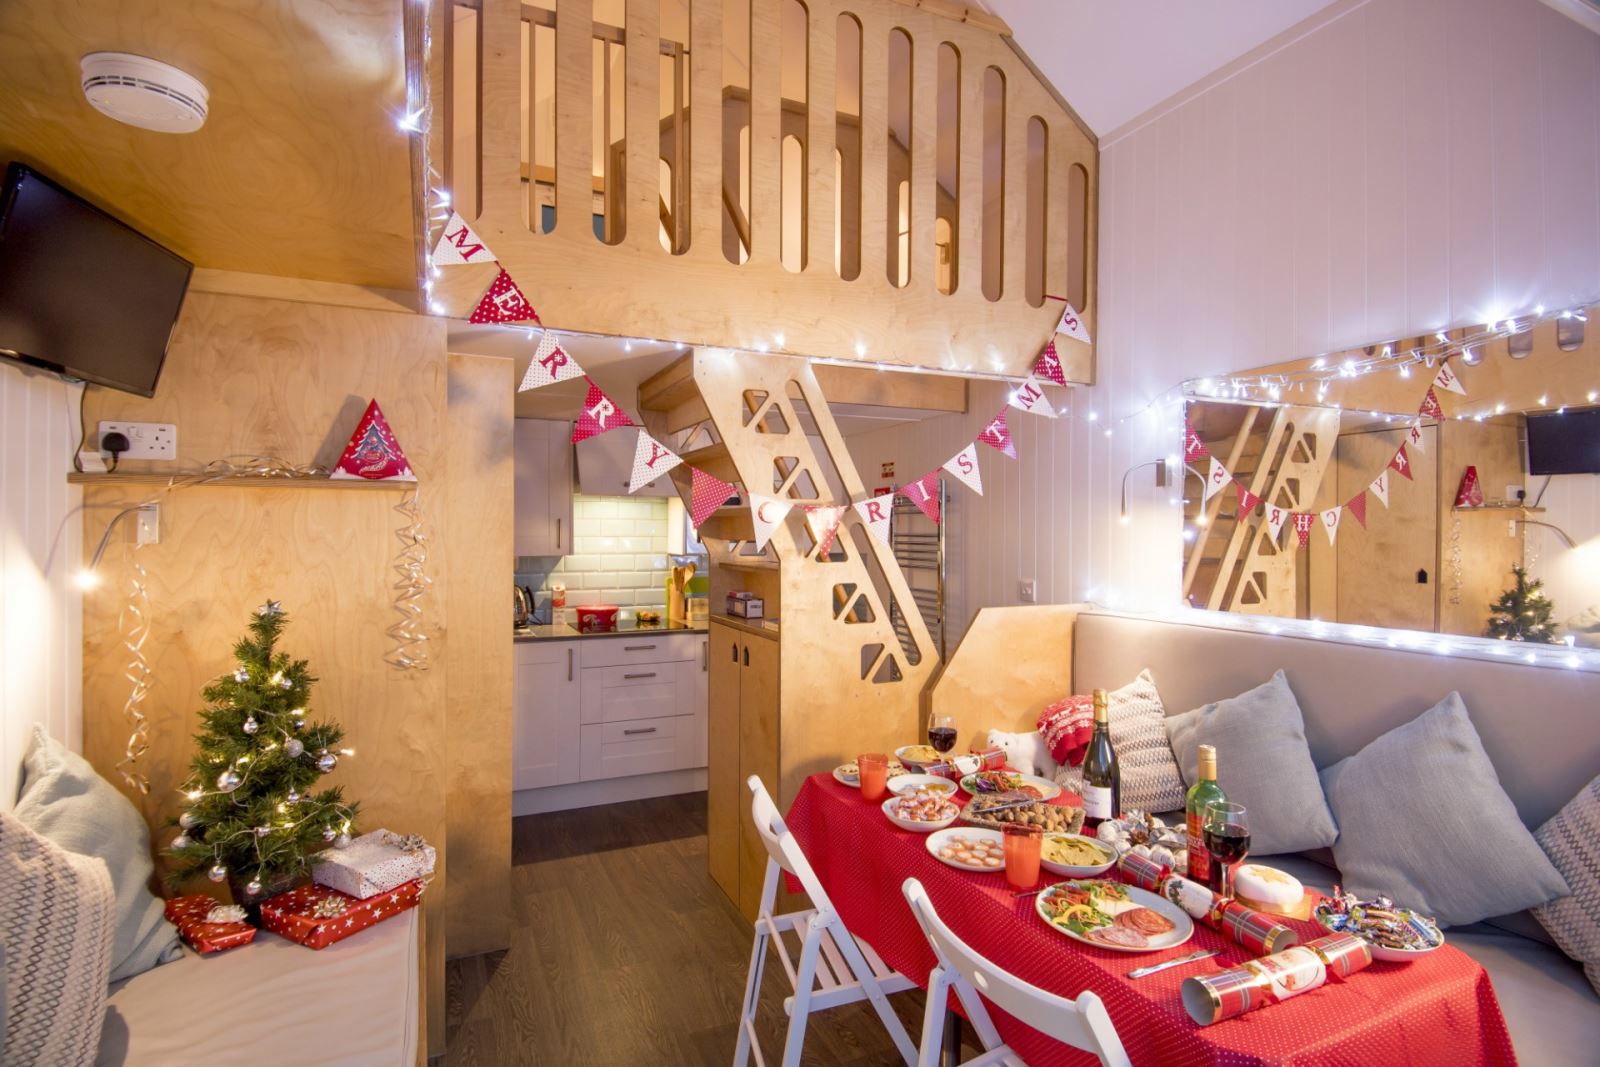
911,783
1397,935
918,758
921,812
1075,856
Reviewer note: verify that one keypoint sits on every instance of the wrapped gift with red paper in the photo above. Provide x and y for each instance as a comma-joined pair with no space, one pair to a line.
316,916
207,926
373,863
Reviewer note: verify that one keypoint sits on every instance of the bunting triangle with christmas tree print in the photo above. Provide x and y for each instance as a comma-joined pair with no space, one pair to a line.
373,451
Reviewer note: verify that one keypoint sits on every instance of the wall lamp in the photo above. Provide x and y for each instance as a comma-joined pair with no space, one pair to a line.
1161,481
149,532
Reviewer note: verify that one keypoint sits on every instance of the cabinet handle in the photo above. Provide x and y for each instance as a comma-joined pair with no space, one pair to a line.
705,655
569,664
747,655
647,674
630,733
734,648
558,531
637,648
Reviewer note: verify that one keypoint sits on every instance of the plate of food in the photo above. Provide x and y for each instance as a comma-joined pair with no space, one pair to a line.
969,850
849,774
998,812
1075,856
992,782
910,783
1110,915
1398,935
916,757
922,811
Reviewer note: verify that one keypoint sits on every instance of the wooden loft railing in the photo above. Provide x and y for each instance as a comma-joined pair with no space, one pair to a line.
878,179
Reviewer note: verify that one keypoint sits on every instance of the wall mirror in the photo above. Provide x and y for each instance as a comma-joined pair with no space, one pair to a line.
1403,484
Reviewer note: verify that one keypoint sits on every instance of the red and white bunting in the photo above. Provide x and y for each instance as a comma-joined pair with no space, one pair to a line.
1193,447
1415,437
1276,517
1217,480
600,414
503,302
1330,522
1401,463
1303,521
997,435
651,459
1430,408
1447,379
1029,397
1072,325
707,493
924,493
1048,365
1357,506
766,515
1248,501
823,521
551,364
964,465
1379,488
459,245
876,514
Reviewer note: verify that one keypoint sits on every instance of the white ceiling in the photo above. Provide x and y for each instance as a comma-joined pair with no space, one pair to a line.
1115,59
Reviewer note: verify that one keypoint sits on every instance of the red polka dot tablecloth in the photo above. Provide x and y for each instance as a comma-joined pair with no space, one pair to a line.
1439,1010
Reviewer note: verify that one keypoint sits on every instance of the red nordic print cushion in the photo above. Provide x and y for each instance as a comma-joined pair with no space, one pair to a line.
1066,726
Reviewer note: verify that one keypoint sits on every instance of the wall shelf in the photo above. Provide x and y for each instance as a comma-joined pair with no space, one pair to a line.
1501,508
236,481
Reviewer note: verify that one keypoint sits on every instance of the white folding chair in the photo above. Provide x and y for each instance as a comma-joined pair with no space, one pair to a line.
834,967
1081,1023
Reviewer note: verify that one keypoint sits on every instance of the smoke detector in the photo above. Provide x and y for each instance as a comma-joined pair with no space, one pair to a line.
143,92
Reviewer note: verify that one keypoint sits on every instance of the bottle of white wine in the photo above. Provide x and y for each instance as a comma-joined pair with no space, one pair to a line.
1204,793
1102,778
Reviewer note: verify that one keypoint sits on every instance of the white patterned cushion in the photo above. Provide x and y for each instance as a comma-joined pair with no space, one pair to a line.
57,919
1572,841
1150,778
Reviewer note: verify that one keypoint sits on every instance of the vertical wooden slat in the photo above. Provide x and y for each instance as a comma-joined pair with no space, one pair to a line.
766,159
924,155
876,231
643,133
500,73
705,129
1058,222
821,129
574,107
1015,278
970,252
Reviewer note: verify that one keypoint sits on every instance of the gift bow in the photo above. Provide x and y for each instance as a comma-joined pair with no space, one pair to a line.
329,908
225,913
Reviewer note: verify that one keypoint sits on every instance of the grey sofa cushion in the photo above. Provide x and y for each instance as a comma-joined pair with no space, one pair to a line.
1263,762
1422,819
64,800
1572,841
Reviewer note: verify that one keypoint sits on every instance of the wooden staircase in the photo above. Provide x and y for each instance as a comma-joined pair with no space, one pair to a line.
1281,454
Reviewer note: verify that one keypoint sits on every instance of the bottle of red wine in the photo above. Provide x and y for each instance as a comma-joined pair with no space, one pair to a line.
1102,778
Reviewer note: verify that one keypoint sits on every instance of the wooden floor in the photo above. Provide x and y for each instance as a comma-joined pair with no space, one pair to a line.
624,951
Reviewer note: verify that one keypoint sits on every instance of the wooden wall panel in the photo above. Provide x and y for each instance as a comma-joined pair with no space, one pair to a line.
1011,663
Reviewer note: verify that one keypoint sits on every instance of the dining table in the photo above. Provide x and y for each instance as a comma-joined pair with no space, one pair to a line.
1438,1009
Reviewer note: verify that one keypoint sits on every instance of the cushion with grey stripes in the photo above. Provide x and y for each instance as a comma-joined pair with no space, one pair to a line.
1150,778
1572,841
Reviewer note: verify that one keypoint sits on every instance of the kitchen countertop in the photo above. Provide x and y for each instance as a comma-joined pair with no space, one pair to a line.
561,631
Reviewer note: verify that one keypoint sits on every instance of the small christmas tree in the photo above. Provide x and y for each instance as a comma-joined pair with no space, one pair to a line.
1522,613
251,816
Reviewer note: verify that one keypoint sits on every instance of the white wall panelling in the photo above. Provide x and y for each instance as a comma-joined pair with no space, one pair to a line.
40,608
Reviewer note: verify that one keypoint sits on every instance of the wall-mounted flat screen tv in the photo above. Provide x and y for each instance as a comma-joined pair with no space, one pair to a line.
1568,443
81,293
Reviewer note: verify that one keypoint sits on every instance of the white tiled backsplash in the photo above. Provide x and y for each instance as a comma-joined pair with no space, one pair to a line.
619,555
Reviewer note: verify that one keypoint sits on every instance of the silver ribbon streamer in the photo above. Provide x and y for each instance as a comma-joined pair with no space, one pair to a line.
133,623
411,644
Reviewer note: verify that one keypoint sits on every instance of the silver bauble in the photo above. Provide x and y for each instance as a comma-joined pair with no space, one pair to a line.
293,797
228,780
342,841
188,820
327,762
250,725
217,873
181,841
294,747
299,724
241,675
287,683
328,833
253,887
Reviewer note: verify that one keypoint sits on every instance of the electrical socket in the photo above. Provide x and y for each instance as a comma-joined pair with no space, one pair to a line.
1028,590
146,440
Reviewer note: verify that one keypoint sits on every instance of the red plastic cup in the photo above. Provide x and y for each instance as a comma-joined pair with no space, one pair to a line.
1022,846
874,770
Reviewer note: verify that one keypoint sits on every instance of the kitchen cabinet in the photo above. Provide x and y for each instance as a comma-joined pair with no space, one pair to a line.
743,705
543,474
545,708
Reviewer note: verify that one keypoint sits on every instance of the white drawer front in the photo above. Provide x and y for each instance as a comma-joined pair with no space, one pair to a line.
642,648
637,691
644,746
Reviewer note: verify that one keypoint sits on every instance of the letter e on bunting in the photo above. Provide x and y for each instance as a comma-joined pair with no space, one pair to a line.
651,459
550,364
1430,405
964,465
458,244
766,515
924,493
503,302
600,413
877,514
373,451
997,435
824,523
707,493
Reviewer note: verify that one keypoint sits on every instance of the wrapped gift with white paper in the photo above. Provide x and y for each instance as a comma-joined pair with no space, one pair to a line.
373,863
